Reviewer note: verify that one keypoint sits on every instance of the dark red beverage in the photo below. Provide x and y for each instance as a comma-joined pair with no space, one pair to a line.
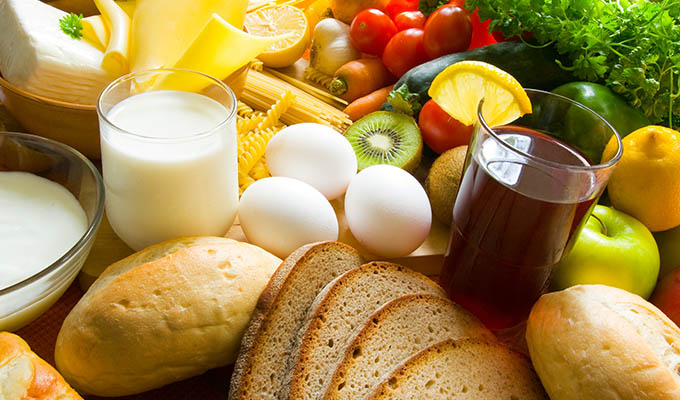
513,220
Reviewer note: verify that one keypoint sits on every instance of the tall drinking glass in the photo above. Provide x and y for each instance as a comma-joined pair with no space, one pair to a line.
526,191
168,140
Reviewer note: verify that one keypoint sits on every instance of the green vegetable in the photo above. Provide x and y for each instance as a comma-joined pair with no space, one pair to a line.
427,7
612,107
632,46
532,67
72,25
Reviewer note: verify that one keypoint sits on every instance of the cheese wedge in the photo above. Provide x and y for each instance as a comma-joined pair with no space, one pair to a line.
35,55
163,30
116,54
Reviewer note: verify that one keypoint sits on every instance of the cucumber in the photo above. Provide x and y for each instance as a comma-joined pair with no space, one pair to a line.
534,68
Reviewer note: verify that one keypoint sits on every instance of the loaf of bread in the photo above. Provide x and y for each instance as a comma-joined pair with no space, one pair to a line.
24,375
339,311
464,369
166,313
600,342
395,332
280,312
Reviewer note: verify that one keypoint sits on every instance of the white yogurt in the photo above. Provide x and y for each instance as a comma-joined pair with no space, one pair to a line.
39,222
177,175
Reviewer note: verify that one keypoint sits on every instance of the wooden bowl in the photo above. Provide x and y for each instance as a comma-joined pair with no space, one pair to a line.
73,124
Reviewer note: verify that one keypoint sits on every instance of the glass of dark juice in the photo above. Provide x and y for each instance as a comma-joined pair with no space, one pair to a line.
526,191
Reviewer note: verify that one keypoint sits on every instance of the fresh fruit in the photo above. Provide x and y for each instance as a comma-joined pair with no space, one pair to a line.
460,88
441,131
396,7
443,180
331,47
409,19
448,30
667,295
646,181
613,249
316,11
280,20
346,10
371,30
669,250
385,137
404,51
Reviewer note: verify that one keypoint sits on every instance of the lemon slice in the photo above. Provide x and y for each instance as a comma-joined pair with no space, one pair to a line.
459,88
280,20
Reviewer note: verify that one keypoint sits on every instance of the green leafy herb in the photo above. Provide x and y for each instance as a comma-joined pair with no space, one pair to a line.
632,46
427,7
72,25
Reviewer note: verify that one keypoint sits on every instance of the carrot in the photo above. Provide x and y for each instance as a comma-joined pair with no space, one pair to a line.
360,77
367,104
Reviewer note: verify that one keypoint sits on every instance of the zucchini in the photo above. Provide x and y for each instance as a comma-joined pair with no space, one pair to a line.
535,68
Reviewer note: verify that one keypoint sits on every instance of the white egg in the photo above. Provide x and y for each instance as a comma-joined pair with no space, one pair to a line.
388,211
315,154
281,214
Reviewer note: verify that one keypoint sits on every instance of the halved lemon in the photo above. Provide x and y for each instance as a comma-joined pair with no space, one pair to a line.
280,20
459,88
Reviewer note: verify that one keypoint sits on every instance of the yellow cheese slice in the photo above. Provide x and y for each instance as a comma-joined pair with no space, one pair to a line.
162,30
219,50
128,6
96,32
115,58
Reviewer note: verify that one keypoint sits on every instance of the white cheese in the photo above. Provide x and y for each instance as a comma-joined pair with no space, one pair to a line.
35,55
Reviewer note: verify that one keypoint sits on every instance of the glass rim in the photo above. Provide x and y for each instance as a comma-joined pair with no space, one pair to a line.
197,135
599,166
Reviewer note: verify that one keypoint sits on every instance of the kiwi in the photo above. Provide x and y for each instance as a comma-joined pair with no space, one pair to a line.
385,137
441,184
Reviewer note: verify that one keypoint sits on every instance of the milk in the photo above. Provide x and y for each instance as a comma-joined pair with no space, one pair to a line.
169,167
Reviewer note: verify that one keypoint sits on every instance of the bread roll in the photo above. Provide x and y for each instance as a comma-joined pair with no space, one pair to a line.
166,313
24,375
599,342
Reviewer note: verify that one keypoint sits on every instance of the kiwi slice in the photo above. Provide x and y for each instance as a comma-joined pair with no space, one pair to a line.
385,137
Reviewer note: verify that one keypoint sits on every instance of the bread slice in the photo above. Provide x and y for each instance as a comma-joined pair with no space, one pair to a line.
340,310
463,369
394,333
279,314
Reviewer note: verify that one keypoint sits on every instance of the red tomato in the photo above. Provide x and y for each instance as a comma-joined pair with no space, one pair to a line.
448,30
409,19
371,30
441,131
480,32
396,7
404,51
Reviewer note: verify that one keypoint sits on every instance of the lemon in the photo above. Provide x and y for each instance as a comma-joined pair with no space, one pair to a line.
280,20
646,181
459,88
318,10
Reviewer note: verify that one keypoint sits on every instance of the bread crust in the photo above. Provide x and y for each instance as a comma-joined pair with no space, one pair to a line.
600,342
297,266
24,375
166,313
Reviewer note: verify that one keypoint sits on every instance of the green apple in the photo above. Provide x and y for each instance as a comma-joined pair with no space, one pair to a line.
669,249
613,249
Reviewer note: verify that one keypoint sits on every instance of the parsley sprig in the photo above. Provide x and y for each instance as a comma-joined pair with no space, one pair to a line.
72,25
632,46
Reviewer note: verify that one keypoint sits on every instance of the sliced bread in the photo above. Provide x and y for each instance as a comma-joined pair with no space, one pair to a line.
397,331
473,369
339,311
279,314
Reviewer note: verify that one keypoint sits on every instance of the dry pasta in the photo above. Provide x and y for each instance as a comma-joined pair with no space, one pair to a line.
318,77
260,170
246,125
274,113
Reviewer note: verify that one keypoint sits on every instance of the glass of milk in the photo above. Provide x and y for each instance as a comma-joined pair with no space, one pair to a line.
168,141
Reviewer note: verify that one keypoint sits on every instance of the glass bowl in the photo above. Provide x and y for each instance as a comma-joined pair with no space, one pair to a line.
24,301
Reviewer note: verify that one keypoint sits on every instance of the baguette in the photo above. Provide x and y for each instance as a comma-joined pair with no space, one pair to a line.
24,375
396,332
339,311
166,313
279,314
464,369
